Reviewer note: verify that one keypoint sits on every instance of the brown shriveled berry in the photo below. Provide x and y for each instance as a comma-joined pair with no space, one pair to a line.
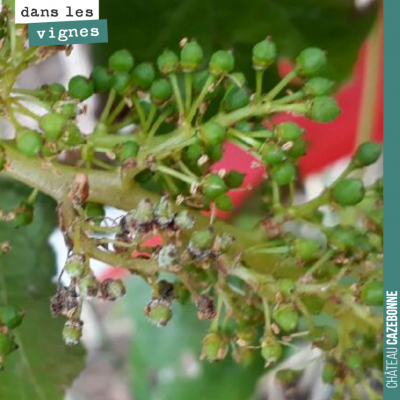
205,308
112,289
79,191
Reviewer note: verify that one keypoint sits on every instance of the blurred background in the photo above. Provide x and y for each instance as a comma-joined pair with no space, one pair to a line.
128,358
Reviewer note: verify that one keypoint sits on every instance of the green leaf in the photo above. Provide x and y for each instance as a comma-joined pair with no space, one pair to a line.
42,368
147,27
165,361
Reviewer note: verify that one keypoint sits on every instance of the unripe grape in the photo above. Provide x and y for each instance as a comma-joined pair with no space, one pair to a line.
318,87
286,287
128,150
330,372
11,316
159,312
288,377
298,149
143,75
372,293
56,91
192,56
348,192
273,154
286,317
102,79
202,240
121,61
167,62
164,213
215,347
235,98
234,179
243,126
194,152
354,360
367,154
53,125
324,337
324,109
73,136
29,142
214,186
75,265
80,87
161,90
7,344
343,238
184,221
264,54
224,202
168,256
112,289
310,62
288,131
212,133
284,173
88,285
68,110
72,332
306,249
120,81
215,153
313,303
271,350
222,62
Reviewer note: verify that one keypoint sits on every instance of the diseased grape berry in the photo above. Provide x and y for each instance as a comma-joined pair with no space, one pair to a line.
224,202
192,56
29,142
215,347
288,131
121,61
128,150
324,337
306,249
205,308
367,154
318,87
75,265
234,179
264,54
11,316
102,79
222,62
88,285
283,173
212,133
120,82
214,186
183,221
163,213
160,91
372,293
168,256
286,317
201,243
143,75
274,154
164,290
271,350
159,312
324,109
72,332
310,62
223,242
167,62
348,192
80,87
53,125
235,98
141,219
7,344
112,289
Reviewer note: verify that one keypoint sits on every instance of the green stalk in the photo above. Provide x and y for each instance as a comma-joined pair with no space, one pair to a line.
281,85
177,92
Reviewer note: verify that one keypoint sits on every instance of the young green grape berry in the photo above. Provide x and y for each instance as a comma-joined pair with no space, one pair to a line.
168,256
128,150
201,242
193,152
212,133
215,153
75,265
72,332
102,79
348,192
244,126
80,87
324,109
298,149
343,238
88,285
288,131
121,61
367,154
120,82
318,87
330,372
310,62
72,136
11,316
68,110
95,211
222,62
273,154
372,293
306,249
168,62
215,347
183,221
112,289
313,303
29,142
159,312
284,173
214,186
144,75
235,98
160,91
271,349
23,215
53,125
56,91
287,376
354,360
234,179
7,344
286,287
164,213
224,202
192,56
324,337
264,54
286,317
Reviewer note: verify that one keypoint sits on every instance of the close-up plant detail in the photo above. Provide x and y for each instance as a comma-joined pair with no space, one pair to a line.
153,154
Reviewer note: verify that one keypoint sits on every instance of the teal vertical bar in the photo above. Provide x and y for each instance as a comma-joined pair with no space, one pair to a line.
391,70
